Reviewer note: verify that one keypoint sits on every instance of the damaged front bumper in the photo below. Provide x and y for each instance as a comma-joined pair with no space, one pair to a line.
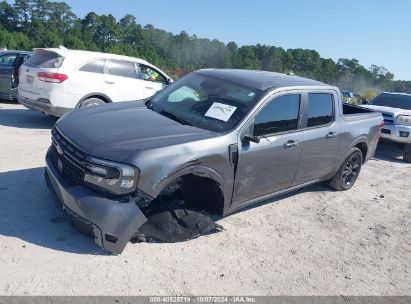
112,222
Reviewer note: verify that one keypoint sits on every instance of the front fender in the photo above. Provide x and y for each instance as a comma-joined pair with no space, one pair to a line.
199,170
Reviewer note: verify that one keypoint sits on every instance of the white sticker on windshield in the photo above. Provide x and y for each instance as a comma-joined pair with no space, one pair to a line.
220,111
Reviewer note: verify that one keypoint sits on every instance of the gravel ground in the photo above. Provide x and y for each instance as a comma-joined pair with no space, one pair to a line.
313,242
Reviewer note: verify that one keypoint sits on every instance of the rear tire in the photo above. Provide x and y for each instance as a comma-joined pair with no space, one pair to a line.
407,153
91,102
348,172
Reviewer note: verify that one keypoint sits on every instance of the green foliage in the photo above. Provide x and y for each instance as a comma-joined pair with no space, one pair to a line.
366,94
41,23
402,86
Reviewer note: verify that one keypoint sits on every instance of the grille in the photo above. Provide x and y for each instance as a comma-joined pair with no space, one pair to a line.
71,163
388,118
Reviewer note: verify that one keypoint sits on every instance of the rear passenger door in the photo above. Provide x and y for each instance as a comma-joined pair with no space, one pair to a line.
321,137
121,82
88,79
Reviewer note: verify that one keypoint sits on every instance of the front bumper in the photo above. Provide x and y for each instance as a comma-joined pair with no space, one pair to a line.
113,223
43,107
396,133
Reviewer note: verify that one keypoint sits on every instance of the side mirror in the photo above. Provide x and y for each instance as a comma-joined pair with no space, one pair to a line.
168,81
248,135
254,139
364,101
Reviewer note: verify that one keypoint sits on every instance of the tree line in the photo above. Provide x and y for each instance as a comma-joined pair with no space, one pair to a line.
27,24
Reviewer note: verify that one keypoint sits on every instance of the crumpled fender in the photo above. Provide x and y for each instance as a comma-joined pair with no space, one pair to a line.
200,170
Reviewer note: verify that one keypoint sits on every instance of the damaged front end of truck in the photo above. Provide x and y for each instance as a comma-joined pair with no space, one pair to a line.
102,200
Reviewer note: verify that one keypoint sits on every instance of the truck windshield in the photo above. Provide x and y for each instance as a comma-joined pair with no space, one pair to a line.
205,102
393,101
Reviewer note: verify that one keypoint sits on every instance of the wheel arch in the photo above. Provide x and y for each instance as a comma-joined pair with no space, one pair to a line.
202,173
363,146
98,95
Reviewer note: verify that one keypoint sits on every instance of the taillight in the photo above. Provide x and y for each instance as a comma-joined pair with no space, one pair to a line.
379,131
52,77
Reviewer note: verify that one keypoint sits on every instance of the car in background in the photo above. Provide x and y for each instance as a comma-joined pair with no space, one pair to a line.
10,62
57,80
396,110
348,97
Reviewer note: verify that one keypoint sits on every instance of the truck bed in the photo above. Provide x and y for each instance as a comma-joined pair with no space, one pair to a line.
356,113
349,109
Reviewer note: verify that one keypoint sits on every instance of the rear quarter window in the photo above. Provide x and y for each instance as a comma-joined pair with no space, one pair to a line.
45,59
94,66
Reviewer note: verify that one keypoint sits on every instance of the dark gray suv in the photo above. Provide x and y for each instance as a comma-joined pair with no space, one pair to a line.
10,62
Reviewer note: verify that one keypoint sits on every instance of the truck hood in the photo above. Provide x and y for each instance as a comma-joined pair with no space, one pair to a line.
118,131
389,110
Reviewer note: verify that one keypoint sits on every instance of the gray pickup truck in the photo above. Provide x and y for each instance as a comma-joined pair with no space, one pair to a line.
219,139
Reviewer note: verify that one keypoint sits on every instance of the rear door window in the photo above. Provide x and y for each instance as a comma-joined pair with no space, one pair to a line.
320,109
122,68
45,59
280,115
7,60
94,66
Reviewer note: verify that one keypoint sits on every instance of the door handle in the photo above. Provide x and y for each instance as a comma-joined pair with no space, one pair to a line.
149,87
291,144
331,135
109,82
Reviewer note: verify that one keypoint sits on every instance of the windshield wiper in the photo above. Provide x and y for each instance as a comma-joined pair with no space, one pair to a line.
176,118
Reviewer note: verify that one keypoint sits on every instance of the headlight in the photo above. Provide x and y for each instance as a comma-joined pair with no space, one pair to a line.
404,120
113,177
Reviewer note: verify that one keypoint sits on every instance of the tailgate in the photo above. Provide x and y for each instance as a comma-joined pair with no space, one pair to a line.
30,85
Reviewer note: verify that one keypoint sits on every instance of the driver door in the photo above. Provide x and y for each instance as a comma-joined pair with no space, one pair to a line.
271,164
153,80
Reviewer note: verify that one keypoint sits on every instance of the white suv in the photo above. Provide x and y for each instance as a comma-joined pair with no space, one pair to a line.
56,81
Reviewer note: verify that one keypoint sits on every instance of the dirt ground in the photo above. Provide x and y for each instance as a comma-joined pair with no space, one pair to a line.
313,242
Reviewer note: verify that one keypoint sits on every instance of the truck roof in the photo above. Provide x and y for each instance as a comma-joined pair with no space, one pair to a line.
262,80
396,93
